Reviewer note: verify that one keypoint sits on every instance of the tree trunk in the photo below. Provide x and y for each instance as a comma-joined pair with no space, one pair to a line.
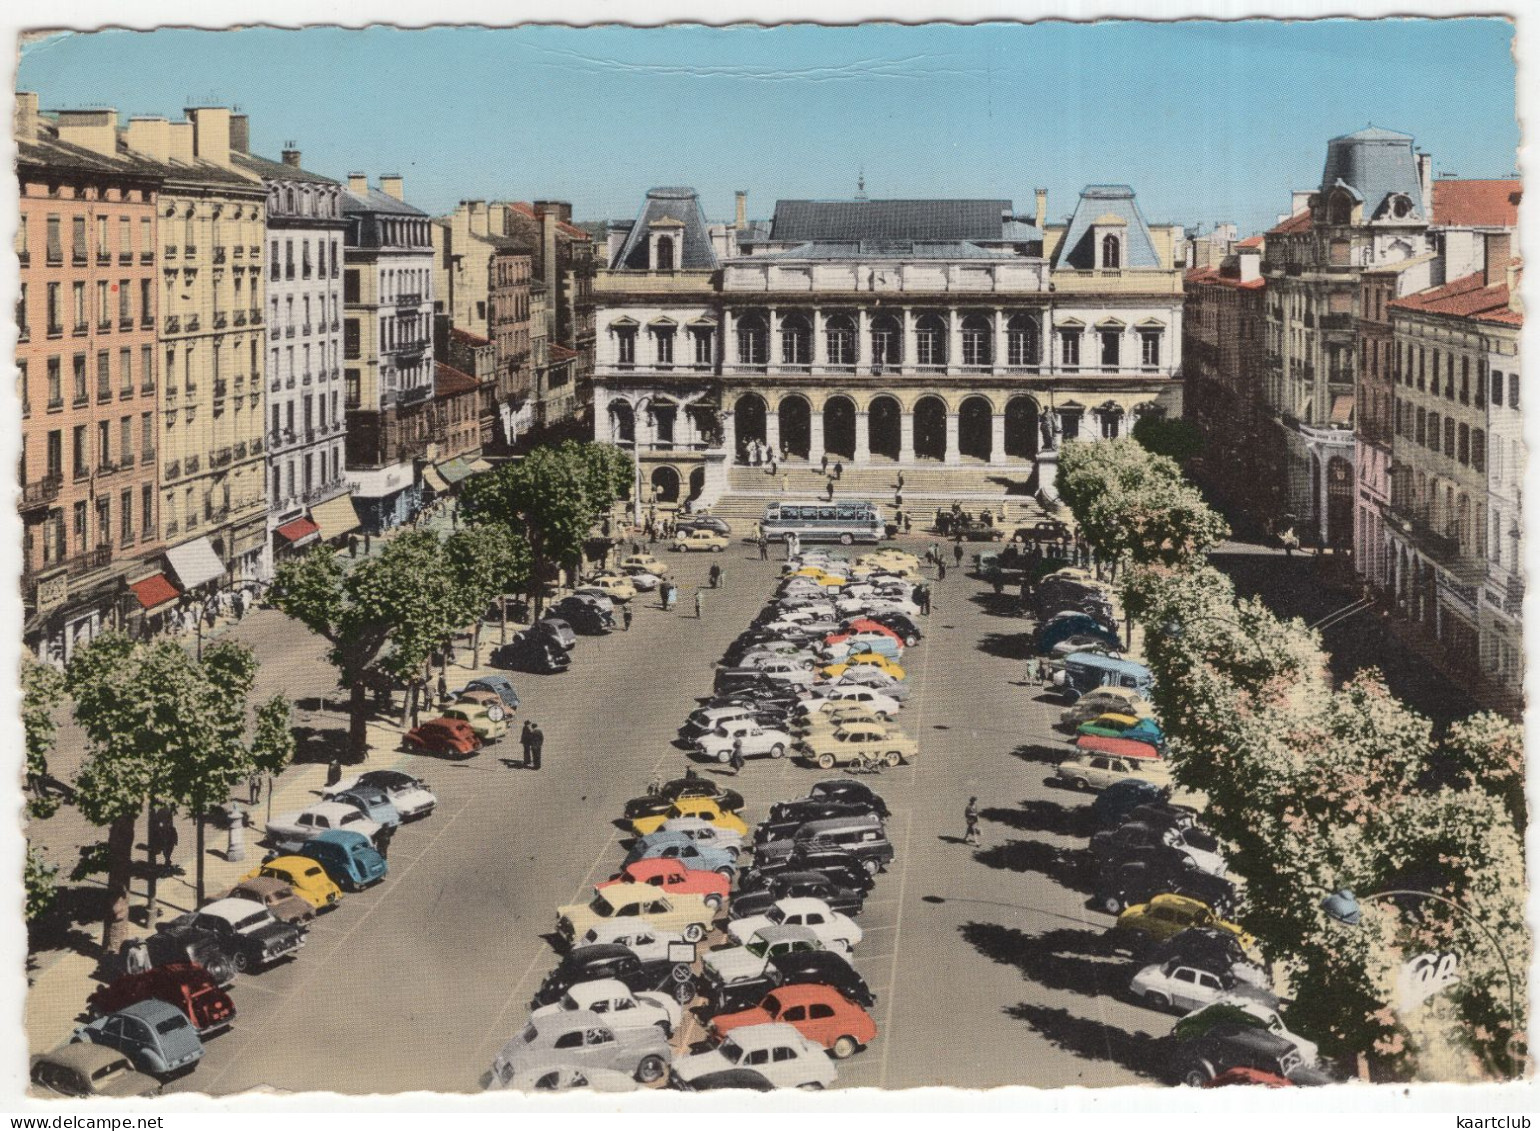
152,894
476,645
358,724
120,865
406,703
201,820
502,608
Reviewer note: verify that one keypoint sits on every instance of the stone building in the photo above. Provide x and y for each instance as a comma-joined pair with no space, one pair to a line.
387,347
1501,619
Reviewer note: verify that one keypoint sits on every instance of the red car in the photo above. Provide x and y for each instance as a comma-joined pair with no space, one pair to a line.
1116,747
863,624
671,875
183,985
820,1013
442,736
1249,1076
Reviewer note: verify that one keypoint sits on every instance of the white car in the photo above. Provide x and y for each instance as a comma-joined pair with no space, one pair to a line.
784,669
867,675
1309,1051
830,693
594,595
641,938
1176,986
620,1008
730,964
409,795
1098,771
705,834
835,930
756,739
765,654
1200,845
703,720
291,830
644,580
852,606
565,1079
775,1050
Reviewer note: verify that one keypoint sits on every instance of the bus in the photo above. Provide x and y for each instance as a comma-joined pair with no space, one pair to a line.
813,521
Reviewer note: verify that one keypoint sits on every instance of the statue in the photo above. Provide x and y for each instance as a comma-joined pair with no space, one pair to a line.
1051,431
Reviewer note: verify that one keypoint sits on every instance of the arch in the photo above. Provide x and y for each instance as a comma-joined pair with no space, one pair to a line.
697,482
1023,341
749,415
839,427
887,341
840,340
1112,251
978,340
930,340
665,484
884,427
665,253
796,340
930,428
753,340
1339,209
622,422
1021,437
796,421
974,422
1340,489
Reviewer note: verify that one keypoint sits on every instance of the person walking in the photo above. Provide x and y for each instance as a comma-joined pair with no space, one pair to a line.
957,553
443,690
907,524
333,772
536,745
715,574
700,604
764,547
941,570
971,818
663,587
831,488
900,480
839,470
823,464
785,482
382,840
735,759
524,740
625,616
254,789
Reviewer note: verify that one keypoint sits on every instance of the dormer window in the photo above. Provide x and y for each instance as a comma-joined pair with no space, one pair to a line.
1400,206
665,253
1112,251
1339,210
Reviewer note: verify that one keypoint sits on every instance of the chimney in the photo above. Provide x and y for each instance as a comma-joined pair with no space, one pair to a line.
150,137
1515,274
1250,261
548,246
183,142
96,130
24,121
1425,181
390,185
560,208
1498,253
211,134
741,217
291,158
358,184
477,210
1042,207
240,133
1299,200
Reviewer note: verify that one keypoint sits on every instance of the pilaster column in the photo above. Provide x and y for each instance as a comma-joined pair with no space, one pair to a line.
906,435
952,455
953,349
730,434
772,337
863,340
820,351
773,430
863,439
815,435
906,363
997,438
998,358
729,340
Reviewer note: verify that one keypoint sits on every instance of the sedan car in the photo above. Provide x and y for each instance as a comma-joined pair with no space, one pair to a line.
843,886
370,800
86,1070
853,647
835,717
856,742
442,736
1167,915
564,1078
1175,985
304,877
615,586
834,930
879,702
865,675
620,1007
586,1039
277,896
864,660
635,934
479,719
1092,772
1240,1009
254,937
673,876
729,801
157,1037
410,795
701,808
733,963
756,740
820,1013
293,829
699,539
785,1057
184,985
687,914
848,789
704,832
647,562
677,846
1198,846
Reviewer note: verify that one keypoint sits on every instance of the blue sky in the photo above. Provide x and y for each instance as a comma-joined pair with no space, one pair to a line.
1207,121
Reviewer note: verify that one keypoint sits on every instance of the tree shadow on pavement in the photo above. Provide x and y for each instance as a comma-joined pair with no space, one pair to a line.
1076,960
316,745
1036,752
70,924
1007,645
1044,817
1006,604
1063,866
1138,1052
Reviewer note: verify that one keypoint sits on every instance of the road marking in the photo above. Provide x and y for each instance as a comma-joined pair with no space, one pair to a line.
903,880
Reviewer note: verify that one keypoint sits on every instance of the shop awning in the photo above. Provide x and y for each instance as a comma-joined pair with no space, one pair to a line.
433,479
378,483
454,470
195,563
480,465
299,532
155,591
335,517
1342,409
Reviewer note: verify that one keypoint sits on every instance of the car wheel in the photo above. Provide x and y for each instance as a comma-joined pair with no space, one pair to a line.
871,867
694,933
726,871
893,758
1112,905
1082,785
240,961
1157,1001
723,756
846,539
778,751
911,640
826,761
811,1086
1196,1076
714,902
650,1069
684,992
844,1048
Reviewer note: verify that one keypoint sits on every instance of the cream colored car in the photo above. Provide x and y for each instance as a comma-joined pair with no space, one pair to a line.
643,903
1098,771
614,586
838,714
699,539
857,742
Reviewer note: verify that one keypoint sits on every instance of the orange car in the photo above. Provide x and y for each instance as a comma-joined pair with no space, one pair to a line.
819,1013
672,875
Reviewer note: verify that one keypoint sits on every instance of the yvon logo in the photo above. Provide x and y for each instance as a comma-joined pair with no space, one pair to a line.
1425,976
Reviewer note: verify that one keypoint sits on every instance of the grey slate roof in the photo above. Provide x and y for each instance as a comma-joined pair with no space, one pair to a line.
1373,164
670,203
889,249
802,220
1077,250
276,170
49,152
378,202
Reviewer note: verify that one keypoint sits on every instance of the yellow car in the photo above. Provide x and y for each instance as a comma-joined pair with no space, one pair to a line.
699,539
613,586
476,716
836,716
648,562
705,808
305,877
817,573
674,911
864,659
1168,915
858,742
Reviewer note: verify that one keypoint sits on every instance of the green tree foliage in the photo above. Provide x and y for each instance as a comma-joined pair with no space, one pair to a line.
485,561
42,688
40,879
162,727
1178,439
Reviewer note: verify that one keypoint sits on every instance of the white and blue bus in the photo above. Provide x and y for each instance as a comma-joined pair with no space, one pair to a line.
813,521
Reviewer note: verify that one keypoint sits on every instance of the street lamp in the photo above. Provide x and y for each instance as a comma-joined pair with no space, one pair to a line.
1176,629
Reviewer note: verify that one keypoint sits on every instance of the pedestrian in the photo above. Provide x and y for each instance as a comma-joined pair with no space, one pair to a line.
715,573
764,547
898,499
831,488
823,464
636,547
700,604
625,616
941,571
785,482
254,789
758,530
524,741
663,588
382,840
333,772
839,470
922,598
907,524
957,553
773,467
900,480
136,957
971,817
536,744
443,689
735,759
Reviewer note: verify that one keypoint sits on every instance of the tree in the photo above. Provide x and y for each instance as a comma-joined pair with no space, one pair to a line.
42,688
163,729
40,878
1177,439
485,561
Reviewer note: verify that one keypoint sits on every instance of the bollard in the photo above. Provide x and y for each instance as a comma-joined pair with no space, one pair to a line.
235,851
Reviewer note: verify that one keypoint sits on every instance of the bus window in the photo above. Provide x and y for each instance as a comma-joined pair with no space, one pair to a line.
827,513
772,511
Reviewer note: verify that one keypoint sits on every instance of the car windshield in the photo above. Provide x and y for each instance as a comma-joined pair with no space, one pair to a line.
601,906
757,947
529,1034
775,915
311,873
172,1024
772,1006
256,919
730,1052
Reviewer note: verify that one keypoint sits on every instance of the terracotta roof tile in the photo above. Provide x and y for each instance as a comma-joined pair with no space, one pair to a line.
1251,241
1487,204
1299,222
1466,297
560,352
1212,276
469,338
524,208
449,382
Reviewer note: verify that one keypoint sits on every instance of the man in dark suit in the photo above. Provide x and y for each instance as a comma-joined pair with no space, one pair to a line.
536,743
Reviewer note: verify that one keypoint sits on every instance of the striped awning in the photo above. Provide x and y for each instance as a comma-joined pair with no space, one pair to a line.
335,517
155,591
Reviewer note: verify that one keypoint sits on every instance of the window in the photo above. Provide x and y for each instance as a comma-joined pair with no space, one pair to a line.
840,339
78,240
288,259
1422,425
55,454
753,340
1069,348
351,379
78,293
1497,388
1513,390
1110,419
1449,436
1149,348
55,243
1021,341
796,341
1112,344
126,373
80,527
977,346
126,517
21,313
55,314
704,353
103,376
1069,423
1478,449
55,384
103,309
351,346
147,508
664,341
147,436
930,340
81,452
887,341
21,386
103,445
1462,444
125,305
79,365
146,369
146,248
1112,252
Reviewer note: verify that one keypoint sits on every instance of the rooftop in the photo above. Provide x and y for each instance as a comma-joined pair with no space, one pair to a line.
1213,276
1299,222
1477,204
376,200
468,338
449,381
1466,297
800,221
276,170
889,249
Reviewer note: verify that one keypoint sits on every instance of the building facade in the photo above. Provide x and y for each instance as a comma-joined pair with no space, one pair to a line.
566,261
305,421
1502,597
387,365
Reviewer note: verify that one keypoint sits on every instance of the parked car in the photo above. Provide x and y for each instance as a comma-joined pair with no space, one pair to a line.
621,1008
699,539
649,943
824,722
564,1078
587,963
735,963
835,931
584,617
303,876
840,868
820,1013
556,630
849,789
1116,801
448,737
1114,724
370,800
855,661
1167,915
277,896
89,1070
697,808
1209,948
785,1057
647,562
786,817
1175,985
350,858
1227,1047
288,832
583,1038
667,845
180,942
410,795
673,876
1104,700
156,1037
254,937
680,789
865,675
855,648
878,702
761,890
757,740
1239,1009
1098,771
500,684
184,985
1043,530
703,522
863,837
1139,881
615,586
906,627
856,742
687,914
645,580
532,652
1198,846
727,1078
479,720
808,967
1084,672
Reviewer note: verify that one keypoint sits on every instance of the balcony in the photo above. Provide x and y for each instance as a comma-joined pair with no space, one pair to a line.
25,257
146,257
305,330
126,323
172,528
336,325
147,457
221,388
220,457
288,382
219,256
192,323
238,252
78,257
221,320
103,257
256,250
414,395
256,317
90,561
192,465
189,250
41,493
273,333
174,469
81,329
240,450
409,298
1337,321
125,258
240,318
288,331
104,325
306,379
256,447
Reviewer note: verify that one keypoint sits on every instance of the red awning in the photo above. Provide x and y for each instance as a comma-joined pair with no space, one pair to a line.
300,531
155,591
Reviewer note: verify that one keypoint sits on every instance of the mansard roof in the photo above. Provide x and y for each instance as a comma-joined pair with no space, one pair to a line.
889,249
1097,203
798,221
670,207
1375,164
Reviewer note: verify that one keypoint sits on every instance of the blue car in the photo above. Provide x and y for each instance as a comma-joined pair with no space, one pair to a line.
155,1036
499,685
348,857
880,644
370,800
678,846
1064,625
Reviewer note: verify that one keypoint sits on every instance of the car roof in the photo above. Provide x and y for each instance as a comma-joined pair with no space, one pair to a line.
565,1021
1181,902
292,863
1262,1040
262,884
650,866
797,993
764,1035
231,908
85,1056
622,891
802,903
598,952
600,989
340,836
833,824
331,809
780,932
152,1010
1108,664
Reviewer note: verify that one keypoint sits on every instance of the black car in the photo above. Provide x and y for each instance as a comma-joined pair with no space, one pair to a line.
1208,948
610,960
1229,1045
815,967
786,817
796,885
182,942
1163,814
728,800
527,653
1106,846
702,522
1043,530
585,617
900,623
745,1078
253,947
848,789
1138,881
737,681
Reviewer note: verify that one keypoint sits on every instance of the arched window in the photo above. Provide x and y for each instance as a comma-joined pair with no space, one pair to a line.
288,200
1340,210
977,343
796,341
1021,341
887,341
930,340
1112,251
840,338
753,340
665,253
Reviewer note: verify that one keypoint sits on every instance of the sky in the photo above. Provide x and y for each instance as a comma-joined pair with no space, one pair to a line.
1207,121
